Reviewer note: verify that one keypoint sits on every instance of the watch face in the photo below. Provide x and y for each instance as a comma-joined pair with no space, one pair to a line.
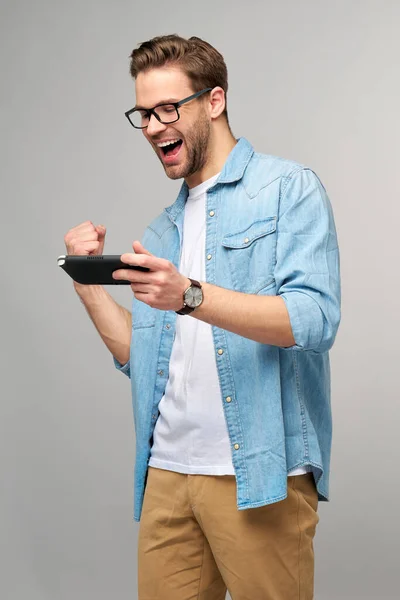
194,297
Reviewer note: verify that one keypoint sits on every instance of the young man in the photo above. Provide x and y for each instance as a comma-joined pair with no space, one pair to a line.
226,346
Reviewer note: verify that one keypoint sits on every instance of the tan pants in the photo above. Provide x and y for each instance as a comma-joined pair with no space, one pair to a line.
195,544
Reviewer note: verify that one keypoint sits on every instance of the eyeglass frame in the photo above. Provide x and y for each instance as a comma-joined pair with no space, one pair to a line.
151,111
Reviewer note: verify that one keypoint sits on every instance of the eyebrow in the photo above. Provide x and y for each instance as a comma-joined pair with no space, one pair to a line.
167,101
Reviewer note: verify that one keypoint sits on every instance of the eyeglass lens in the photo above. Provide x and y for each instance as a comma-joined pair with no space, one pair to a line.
167,114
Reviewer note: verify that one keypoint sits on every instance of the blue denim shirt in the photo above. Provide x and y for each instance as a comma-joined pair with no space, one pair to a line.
269,231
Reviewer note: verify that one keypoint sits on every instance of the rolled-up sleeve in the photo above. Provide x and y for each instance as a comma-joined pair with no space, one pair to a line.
125,369
307,271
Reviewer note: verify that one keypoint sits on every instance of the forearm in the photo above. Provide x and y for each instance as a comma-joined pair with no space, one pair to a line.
112,321
263,319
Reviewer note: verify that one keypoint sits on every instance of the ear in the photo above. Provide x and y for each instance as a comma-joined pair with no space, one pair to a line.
217,102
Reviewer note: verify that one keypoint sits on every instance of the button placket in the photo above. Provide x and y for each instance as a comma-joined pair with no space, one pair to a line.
211,222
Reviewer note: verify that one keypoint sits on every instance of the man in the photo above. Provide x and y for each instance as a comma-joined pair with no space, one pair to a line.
226,345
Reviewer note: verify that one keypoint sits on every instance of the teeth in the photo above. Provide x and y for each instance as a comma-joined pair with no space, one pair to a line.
163,144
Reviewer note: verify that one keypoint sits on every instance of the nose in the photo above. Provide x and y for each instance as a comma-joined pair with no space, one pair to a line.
155,127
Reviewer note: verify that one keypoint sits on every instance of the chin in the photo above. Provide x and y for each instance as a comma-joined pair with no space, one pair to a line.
174,172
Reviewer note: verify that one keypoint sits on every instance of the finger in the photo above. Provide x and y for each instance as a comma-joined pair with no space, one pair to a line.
132,276
87,236
144,260
140,249
76,234
85,226
101,231
83,248
141,278
142,297
129,275
139,288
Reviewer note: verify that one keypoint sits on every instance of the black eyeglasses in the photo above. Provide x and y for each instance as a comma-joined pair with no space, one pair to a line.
139,118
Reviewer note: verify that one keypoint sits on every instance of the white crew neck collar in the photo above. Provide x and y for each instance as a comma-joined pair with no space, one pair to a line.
199,190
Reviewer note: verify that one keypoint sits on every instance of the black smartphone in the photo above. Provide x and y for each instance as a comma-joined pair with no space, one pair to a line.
95,270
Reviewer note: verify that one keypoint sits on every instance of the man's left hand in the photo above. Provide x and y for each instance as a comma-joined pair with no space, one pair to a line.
162,287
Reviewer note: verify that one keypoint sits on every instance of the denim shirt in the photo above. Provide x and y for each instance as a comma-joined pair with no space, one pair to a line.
269,231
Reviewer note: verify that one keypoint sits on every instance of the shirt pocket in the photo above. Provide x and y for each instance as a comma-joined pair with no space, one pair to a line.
251,255
143,315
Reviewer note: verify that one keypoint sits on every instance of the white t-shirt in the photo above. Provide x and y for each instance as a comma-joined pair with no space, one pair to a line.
190,434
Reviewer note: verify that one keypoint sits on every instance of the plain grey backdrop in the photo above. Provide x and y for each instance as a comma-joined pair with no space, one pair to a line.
314,81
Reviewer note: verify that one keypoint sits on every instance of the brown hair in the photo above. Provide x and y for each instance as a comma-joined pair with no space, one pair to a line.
201,62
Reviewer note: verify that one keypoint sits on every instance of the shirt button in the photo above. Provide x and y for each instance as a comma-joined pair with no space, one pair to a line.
154,416
161,372
228,399
246,240
211,213
236,446
220,351
168,326
209,256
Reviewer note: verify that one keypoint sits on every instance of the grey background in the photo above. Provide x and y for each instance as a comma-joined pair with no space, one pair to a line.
314,81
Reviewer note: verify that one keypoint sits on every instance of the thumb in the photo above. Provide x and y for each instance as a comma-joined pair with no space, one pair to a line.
139,249
101,231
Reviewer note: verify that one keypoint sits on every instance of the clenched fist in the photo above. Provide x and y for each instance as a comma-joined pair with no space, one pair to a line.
85,238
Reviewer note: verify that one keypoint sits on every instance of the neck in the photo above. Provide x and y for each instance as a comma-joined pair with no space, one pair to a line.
222,143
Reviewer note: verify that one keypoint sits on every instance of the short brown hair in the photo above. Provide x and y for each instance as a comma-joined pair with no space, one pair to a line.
201,62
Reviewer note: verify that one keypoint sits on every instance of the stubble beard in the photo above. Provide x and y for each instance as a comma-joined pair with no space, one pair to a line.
196,146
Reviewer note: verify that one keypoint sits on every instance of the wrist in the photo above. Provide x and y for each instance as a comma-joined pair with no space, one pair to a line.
85,290
192,297
186,283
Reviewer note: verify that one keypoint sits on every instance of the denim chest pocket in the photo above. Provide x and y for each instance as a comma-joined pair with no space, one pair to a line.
143,315
251,255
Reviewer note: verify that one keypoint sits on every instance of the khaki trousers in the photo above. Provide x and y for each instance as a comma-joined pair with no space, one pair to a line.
195,544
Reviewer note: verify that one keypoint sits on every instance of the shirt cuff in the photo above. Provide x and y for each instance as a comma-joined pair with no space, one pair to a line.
306,320
126,368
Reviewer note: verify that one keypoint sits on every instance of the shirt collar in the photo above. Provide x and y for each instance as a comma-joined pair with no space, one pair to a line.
233,170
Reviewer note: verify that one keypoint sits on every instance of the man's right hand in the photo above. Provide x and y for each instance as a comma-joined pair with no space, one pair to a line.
85,239
112,321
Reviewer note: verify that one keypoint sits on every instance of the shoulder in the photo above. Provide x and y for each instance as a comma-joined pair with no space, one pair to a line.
266,169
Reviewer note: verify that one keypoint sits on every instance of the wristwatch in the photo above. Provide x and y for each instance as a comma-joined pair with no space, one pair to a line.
192,298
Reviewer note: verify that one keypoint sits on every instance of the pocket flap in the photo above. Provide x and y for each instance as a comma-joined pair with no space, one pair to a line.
245,237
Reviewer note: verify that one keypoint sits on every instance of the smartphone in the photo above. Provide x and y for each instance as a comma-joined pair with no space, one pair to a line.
95,270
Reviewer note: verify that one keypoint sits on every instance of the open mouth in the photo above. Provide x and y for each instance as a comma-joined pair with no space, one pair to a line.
171,150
